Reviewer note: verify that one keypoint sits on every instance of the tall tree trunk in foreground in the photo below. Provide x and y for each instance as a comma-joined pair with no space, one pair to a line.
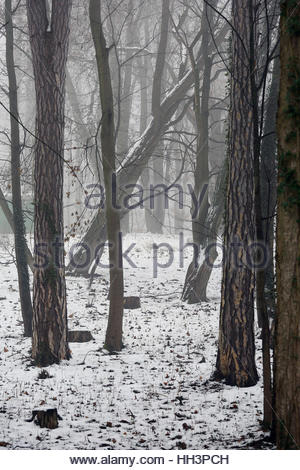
18,219
49,45
113,339
287,343
236,352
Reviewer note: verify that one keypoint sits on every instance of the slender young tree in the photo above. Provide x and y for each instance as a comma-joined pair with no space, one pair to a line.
287,343
156,215
21,248
113,339
236,351
268,175
10,219
49,46
126,85
261,305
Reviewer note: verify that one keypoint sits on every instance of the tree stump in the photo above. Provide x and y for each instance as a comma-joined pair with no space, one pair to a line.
45,418
79,336
132,302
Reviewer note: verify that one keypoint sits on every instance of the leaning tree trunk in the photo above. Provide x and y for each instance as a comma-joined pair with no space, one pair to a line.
287,343
21,248
113,339
197,277
236,351
49,45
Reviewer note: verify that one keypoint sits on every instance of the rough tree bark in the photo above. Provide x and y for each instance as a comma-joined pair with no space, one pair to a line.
113,339
49,46
21,248
236,351
287,342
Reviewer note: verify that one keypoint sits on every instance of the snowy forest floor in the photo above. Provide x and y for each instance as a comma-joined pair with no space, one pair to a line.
155,394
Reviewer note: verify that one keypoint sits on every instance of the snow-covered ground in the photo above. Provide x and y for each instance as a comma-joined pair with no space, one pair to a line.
155,394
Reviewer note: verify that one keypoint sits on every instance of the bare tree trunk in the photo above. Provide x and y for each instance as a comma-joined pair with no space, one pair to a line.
154,172
268,183
155,216
197,277
113,339
49,45
201,105
82,128
158,212
236,352
262,311
126,99
18,219
10,219
144,85
287,343
126,88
